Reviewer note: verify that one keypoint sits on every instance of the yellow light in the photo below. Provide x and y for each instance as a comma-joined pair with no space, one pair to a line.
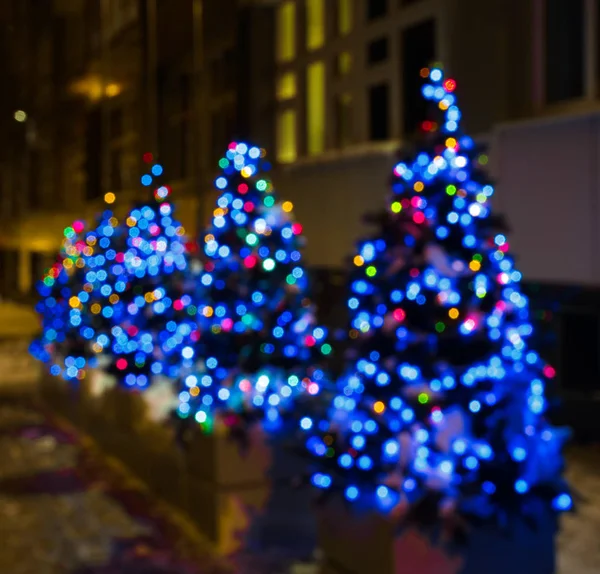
112,90
219,212
450,142
453,313
96,308
109,197
194,391
443,105
287,206
113,221
418,186
246,171
88,287
74,302
396,207
20,116
474,266
114,298
344,13
131,221
379,407
88,251
209,237
180,231
91,240
207,311
67,264
358,261
97,348
149,297
80,263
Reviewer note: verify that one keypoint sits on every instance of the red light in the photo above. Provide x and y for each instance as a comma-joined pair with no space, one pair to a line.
209,266
297,228
154,230
426,126
503,247
132,331
195,336
250,261
248,207
310,341
120,257
148,157
415,201
178,305
243,188
245,386
414,272
419,217
232,146
313,389
121,364
399,314
78,226
549,371
450,85
227,324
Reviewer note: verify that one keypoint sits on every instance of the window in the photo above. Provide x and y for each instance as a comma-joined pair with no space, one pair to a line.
343,120
580,345
376,9
377,51
115,170
418,52
286,136
378,112
343,64
315,107
315,24
286,32
286,86
116,123
565,60
344,16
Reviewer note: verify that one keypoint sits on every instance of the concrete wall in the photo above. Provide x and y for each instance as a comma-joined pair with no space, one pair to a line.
549,186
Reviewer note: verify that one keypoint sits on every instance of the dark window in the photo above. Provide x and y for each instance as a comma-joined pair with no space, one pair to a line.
9,272
93,153
116,181
418,51
580,346
343,120
186,93
408,2
40,263
376,9
217,130
35,184
565,59
116,123
185,147
377,51
379,112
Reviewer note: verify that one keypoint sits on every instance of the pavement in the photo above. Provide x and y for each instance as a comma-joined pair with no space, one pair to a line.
66,509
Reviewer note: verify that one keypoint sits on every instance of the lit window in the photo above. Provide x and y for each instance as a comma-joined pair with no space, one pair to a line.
344,16
286,32
315,107
343,63
286,136
315,24
286,86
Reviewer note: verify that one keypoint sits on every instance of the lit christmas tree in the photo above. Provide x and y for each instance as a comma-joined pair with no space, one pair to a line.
77,294
260,345
443,404
157,317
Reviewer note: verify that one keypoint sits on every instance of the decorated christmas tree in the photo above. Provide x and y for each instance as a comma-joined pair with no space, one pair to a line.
260,345
442,409
76,298
156,318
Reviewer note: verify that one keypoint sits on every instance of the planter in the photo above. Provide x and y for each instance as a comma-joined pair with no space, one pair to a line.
352,544
245,500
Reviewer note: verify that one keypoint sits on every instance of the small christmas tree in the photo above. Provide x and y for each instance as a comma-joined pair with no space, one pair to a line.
260,344
157,317
443,404
76,298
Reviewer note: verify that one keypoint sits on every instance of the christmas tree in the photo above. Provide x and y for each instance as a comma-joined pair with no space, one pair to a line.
156,318
77,296
260,345
443,405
